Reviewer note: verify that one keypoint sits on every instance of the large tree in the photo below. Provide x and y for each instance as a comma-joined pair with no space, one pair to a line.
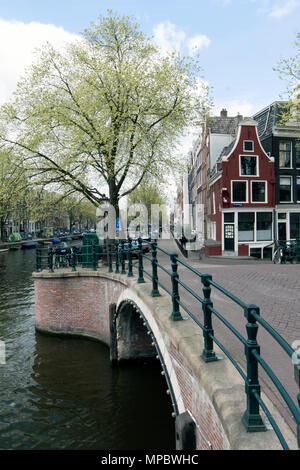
103,114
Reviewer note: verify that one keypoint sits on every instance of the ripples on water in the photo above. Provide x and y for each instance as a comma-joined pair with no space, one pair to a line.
63,393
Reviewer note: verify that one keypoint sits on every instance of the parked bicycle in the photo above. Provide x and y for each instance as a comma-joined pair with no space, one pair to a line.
63,255
286,251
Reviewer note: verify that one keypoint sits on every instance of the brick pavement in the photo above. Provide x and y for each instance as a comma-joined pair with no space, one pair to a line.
274,288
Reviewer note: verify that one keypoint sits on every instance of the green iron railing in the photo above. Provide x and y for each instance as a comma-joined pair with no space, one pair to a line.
115,256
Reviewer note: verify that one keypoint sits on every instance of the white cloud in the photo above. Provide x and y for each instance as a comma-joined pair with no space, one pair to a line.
17,42
283,10
275,8
198,42
169,37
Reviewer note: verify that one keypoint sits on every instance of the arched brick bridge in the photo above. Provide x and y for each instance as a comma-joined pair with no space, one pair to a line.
208,397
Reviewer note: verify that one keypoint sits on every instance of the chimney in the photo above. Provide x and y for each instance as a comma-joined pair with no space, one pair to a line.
223,113
239,117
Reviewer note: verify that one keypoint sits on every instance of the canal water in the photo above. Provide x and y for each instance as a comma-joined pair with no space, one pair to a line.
63,393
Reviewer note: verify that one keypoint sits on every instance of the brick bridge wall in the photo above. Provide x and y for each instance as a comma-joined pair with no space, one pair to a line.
211,394
75,303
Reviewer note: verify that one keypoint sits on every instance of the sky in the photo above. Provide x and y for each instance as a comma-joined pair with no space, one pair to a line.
239,41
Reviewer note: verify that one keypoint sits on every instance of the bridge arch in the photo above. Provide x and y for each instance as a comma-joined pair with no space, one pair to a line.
138,335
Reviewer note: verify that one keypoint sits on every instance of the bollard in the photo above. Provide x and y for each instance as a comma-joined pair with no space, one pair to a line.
175,315
155,291
252,419
141,267
208,354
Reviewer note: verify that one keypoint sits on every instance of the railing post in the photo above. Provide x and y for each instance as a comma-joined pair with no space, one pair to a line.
252,419
122,256
175,315
298,250
38,259
208,354
50,260
141,267
117,257
109,257
284,247
155,291
73,260
130,273
95,257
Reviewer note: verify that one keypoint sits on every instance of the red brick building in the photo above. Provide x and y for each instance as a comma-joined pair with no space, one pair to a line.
242,197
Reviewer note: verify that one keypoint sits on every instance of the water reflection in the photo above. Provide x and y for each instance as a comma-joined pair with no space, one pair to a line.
62,393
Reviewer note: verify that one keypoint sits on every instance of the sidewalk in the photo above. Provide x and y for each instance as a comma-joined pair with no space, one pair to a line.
274,288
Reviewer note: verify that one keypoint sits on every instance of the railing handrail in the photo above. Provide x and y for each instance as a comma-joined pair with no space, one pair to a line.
117,252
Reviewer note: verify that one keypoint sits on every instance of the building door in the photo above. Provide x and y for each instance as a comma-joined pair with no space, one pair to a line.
228,237
282,231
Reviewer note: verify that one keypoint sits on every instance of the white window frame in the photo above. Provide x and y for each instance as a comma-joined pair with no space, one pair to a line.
291,154
257,166
272,225
266,192
255,241
291,200
244,150
247,195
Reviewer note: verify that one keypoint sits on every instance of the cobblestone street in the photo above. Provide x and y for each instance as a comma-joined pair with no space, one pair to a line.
274,288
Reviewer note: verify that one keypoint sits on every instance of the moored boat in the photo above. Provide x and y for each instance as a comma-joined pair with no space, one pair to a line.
29,245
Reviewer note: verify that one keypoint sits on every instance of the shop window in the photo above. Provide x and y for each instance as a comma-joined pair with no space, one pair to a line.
263,226
246,226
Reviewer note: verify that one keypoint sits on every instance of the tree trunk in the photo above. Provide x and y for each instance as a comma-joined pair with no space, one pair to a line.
2,223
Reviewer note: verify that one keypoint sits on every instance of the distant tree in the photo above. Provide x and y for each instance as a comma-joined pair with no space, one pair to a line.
12,188
105,113
289,70
147,193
